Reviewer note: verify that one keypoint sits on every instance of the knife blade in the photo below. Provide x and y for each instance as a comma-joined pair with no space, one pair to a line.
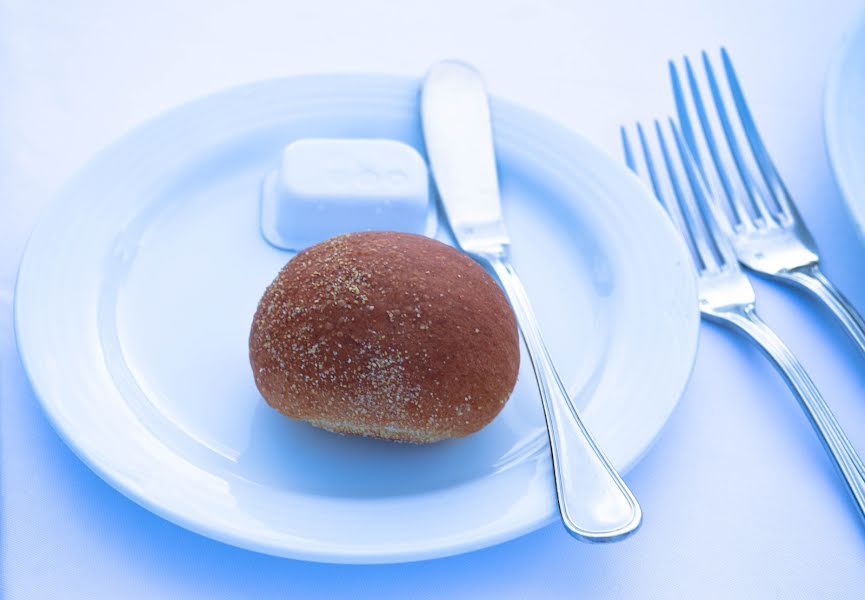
454,105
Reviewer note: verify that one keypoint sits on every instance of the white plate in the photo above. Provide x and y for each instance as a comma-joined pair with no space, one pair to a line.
844,120
137,289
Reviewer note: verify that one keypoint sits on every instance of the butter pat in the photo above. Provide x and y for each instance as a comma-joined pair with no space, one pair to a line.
324,187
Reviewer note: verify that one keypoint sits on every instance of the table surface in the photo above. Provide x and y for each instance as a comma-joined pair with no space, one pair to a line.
739,498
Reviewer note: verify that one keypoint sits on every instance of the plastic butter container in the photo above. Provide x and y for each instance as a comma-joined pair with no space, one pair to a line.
324,187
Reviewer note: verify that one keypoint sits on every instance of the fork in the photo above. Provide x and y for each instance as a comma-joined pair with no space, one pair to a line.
725,293
768,234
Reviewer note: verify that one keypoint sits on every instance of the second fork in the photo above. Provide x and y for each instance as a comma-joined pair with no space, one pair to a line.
726,295
768,234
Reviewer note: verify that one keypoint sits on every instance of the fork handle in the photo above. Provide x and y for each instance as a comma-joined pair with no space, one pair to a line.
812,279
595,504
818,412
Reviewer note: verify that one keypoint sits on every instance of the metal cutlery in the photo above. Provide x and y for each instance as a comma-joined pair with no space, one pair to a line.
768,234
595,503
725,293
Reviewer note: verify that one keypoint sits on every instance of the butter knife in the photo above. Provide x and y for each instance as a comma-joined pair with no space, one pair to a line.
595,504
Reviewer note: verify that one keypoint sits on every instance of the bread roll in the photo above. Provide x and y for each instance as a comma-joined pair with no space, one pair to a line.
389,335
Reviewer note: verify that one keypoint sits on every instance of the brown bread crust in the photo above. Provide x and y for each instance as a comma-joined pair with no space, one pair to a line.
385,334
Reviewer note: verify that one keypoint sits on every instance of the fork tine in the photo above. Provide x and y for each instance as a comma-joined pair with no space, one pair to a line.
629,155
706,258
767,168
751,188
714,220
650,167
684,117
631,162
734,200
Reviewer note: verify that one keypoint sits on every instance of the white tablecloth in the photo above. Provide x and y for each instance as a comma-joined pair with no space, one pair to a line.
738,496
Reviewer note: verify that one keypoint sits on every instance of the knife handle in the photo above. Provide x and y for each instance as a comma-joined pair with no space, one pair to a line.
595,503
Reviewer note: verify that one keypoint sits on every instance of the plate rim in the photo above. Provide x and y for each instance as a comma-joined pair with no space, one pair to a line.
833,131
378,557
